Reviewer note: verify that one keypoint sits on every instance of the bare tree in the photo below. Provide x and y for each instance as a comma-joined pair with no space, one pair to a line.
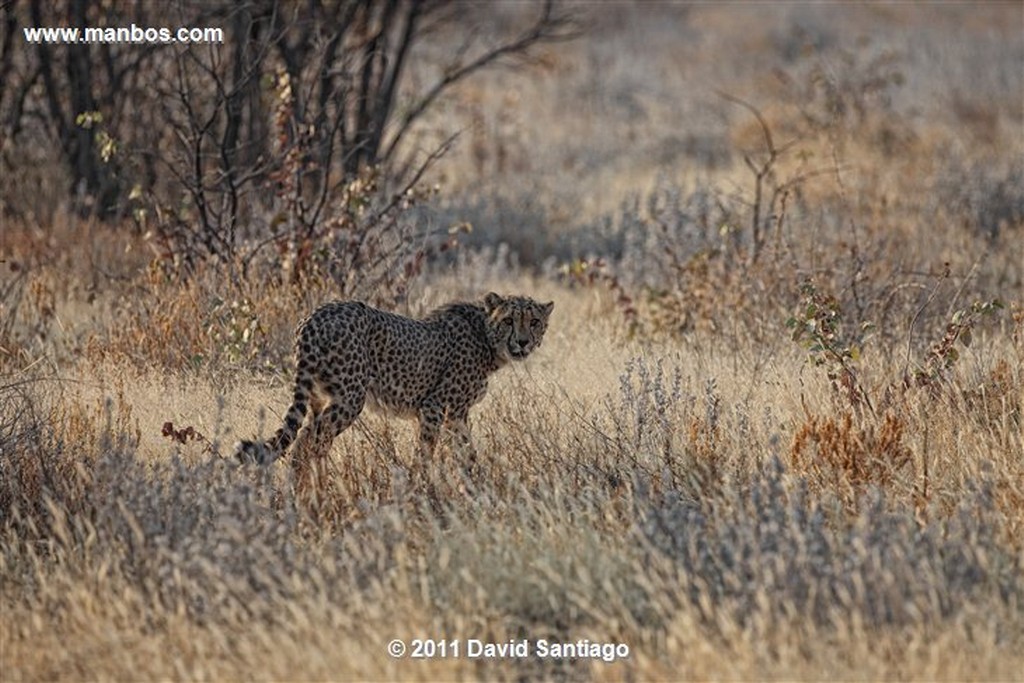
336,69
224,149
82,85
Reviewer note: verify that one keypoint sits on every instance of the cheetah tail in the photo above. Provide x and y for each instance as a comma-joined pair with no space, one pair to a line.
293,419
266,452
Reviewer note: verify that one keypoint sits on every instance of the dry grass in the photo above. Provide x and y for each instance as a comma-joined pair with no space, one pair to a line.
681,502
676,469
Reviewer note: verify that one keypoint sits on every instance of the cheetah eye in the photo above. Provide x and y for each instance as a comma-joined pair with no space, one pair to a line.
507,321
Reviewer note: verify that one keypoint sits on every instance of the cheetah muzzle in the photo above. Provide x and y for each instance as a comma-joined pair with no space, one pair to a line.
436,369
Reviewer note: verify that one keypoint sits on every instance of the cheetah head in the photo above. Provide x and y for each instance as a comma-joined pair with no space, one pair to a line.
515,324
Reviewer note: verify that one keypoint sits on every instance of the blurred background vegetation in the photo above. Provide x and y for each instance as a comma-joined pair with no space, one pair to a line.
697,160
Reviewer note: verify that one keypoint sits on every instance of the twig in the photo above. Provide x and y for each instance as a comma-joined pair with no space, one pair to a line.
917,315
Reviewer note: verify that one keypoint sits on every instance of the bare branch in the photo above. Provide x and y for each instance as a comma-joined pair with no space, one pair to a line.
765,130
549,27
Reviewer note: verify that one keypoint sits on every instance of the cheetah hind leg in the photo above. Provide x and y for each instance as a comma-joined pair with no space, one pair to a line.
306,437
315,438
431,418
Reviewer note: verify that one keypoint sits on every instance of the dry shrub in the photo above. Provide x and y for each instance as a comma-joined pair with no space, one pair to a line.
769,551
171,326
679,438
27,303
998,399
847,454
208,322
42,444
23,461
677,264
713,292
213,319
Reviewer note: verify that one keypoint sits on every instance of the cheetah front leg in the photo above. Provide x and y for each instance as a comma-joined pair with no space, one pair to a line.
462,438
455,422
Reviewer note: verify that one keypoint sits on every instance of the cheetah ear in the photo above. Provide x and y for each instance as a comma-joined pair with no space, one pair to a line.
545,309
492,301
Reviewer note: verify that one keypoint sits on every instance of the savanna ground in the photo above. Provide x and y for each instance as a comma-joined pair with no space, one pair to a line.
774,430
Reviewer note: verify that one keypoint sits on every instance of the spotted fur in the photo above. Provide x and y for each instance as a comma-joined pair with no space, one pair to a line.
348,353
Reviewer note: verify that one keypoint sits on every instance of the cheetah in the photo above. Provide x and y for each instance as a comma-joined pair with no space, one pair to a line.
348,353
